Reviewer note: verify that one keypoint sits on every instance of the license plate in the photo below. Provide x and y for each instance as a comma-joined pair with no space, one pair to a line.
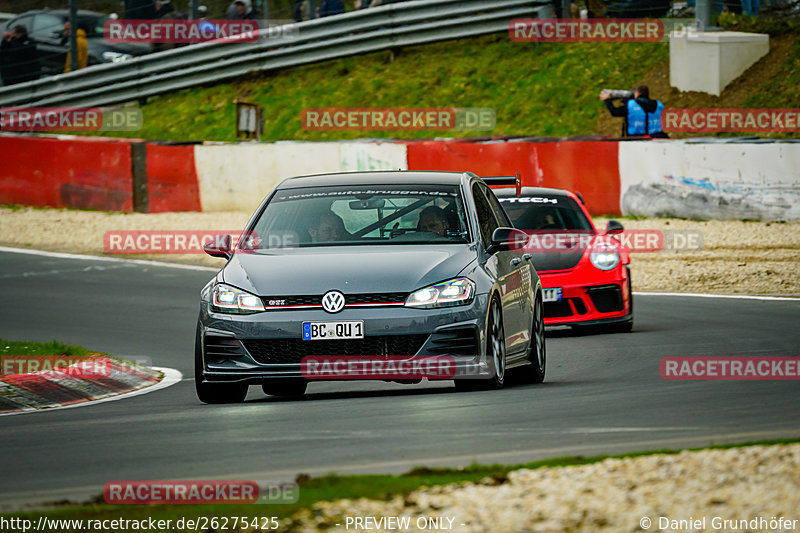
333,330
551,295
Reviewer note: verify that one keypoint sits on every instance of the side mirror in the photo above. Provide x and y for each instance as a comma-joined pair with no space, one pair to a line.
504,239
219,247
614,227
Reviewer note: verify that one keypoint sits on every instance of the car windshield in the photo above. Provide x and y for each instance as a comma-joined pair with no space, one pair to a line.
546,213
370,214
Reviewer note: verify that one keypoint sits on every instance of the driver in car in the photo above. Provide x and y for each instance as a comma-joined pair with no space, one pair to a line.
433,220
546,219
329,227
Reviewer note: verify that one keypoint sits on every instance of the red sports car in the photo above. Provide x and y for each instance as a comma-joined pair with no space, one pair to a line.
585,273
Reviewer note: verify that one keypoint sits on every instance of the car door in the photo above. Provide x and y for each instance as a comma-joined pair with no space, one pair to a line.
522,280
50,42
499,265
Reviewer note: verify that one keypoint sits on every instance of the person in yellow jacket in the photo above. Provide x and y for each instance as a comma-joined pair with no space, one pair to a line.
83,47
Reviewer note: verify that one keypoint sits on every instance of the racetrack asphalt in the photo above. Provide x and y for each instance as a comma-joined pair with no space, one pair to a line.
603,393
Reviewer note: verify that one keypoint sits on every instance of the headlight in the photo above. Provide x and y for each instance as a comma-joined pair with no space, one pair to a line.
459,291
115,57
226,299
604,256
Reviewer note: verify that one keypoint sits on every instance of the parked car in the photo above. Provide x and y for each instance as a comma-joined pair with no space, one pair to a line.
637,8
46,30
585,273
385,264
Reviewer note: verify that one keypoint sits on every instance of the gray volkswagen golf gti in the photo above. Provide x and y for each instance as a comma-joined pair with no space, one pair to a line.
382,265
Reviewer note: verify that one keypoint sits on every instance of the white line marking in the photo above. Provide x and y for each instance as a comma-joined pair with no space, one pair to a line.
171,377
101,258
735,296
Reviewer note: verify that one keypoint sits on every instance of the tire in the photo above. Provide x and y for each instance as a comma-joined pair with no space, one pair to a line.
537,353
285,388
495,353
214,393
496,346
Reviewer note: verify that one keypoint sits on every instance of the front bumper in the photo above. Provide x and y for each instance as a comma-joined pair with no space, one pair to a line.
263,346
588,297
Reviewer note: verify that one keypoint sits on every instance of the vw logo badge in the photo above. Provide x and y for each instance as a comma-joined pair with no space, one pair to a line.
333,301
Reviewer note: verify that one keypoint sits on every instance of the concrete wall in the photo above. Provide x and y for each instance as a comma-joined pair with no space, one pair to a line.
711,180
238,176
709,61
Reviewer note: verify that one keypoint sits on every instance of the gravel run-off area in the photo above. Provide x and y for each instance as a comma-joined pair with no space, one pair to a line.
735,257
613,496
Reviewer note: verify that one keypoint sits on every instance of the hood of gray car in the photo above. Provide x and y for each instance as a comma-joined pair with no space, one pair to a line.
350,269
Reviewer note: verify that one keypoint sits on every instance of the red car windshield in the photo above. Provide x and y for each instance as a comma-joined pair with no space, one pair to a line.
546,213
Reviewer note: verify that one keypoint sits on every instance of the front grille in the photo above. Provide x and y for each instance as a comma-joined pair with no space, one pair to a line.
292,351
376,299
221,348
457,341
607,299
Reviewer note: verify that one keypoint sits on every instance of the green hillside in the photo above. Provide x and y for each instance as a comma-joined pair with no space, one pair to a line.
535,89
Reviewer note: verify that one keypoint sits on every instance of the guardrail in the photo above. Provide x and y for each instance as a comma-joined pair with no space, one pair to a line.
358,32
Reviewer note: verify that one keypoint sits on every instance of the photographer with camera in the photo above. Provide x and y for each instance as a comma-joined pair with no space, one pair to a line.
642,115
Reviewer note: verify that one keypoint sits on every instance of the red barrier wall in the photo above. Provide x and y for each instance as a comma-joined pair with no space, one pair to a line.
171,179
588,167
85,173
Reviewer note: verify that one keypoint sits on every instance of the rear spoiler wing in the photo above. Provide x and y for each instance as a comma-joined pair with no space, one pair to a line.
505,180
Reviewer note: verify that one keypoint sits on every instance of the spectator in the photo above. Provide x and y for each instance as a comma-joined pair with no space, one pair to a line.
642,115
433,220
140,9
163,8
19,61
297,10
331,7
242,10
83,48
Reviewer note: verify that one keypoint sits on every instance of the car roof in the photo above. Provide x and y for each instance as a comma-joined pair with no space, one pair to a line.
384,177
62,12
507,192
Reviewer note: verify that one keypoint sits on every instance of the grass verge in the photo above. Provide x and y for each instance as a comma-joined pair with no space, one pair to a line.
40,348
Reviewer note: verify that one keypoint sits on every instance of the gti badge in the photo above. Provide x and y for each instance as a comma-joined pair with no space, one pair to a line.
333,301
